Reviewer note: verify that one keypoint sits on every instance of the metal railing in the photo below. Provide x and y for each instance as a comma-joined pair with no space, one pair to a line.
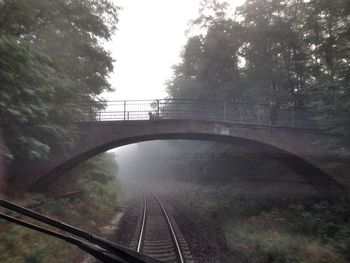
244,113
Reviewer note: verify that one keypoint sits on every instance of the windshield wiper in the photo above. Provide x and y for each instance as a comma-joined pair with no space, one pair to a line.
98,247
94,250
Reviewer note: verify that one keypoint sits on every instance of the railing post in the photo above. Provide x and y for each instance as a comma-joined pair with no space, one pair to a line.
158,109
124,110
225,105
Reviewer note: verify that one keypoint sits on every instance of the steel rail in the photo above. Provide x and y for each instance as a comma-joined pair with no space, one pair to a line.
174,236
139,243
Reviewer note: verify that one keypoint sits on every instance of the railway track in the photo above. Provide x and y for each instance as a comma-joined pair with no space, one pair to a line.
158,235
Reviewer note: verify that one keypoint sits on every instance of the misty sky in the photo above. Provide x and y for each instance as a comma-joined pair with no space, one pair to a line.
150,37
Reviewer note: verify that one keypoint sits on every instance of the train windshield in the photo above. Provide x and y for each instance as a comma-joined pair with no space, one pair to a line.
174,131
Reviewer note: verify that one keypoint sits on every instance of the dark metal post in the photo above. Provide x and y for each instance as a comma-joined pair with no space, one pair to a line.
273,114
124,110
157,108
225,111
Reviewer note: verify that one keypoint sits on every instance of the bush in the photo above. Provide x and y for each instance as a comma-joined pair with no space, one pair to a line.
11,237
37,252
324,220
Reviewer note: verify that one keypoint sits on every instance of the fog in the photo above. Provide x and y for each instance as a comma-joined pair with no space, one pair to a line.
143,161
174,165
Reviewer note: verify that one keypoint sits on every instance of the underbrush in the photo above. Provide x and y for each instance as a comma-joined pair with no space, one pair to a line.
312,232
273,223
90,210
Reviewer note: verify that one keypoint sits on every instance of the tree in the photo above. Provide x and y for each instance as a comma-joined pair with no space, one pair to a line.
209,67
273,51
53,67
328,39
290,53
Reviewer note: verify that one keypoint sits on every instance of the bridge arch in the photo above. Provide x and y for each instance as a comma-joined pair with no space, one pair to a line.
297,148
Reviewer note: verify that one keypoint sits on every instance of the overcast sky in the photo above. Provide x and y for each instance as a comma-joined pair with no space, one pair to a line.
150,37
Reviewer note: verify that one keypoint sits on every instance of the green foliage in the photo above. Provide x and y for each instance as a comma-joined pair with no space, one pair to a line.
26,105
102,169
274,246
327,221
36,253
18,244
324,221
52,69
267,228
286,52
316,232
92,209
12,237
101,188
210,65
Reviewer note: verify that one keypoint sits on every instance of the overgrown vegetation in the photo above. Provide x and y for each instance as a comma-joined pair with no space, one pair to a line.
264,227
53,68
90,210
287,53
313,232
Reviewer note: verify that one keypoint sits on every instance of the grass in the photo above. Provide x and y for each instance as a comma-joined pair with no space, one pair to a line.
266,228
90,211
261,244
18,244
37,252
315,232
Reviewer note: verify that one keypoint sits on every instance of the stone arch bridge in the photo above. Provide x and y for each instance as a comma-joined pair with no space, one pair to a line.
283,133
